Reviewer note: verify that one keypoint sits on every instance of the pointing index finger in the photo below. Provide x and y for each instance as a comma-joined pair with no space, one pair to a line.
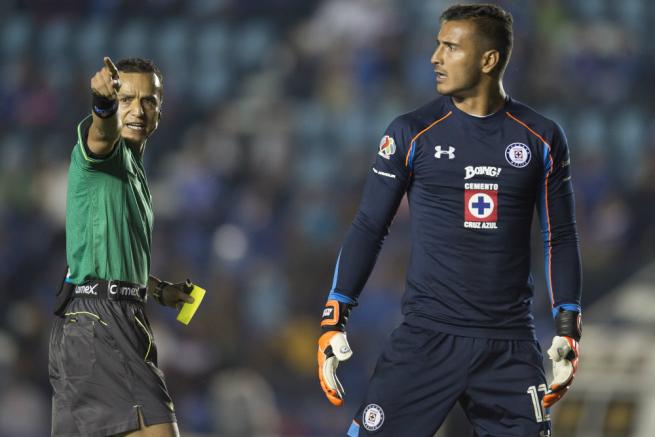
112,68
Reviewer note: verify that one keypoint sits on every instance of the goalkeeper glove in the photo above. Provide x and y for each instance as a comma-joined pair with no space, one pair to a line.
333,348
564,354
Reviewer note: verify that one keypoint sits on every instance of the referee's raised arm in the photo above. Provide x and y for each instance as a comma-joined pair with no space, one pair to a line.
106,127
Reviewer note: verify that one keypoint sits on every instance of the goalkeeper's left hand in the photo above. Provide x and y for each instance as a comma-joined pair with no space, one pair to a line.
333,348
564,354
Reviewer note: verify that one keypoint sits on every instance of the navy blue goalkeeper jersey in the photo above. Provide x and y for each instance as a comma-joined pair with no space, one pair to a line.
472,185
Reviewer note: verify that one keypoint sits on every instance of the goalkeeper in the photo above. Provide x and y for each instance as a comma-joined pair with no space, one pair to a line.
474,164
103,360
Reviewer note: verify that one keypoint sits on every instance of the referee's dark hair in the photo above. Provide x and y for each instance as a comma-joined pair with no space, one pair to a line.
493,23
139,65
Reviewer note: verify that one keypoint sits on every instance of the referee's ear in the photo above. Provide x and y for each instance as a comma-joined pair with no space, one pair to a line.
490,60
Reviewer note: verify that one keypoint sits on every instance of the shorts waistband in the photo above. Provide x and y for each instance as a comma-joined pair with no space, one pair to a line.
425,321
111,290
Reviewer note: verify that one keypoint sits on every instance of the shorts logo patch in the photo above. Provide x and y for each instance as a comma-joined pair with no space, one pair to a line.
518,155
387,147
373,417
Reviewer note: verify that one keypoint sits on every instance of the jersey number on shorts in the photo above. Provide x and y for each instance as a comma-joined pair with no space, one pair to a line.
538,412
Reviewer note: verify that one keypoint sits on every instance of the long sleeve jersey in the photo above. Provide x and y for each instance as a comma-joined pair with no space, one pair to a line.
472,185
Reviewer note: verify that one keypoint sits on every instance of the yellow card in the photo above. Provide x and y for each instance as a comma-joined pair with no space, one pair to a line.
189,309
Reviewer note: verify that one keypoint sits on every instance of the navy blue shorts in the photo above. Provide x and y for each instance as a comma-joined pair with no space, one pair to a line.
422,373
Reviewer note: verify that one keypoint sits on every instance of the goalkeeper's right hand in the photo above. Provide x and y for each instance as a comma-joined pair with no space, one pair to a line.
333,348
564,354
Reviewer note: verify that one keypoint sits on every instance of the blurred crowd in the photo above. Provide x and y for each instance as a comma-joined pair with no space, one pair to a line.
273,110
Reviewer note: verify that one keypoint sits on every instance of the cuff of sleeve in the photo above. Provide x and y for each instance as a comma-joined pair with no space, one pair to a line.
566,306
341,298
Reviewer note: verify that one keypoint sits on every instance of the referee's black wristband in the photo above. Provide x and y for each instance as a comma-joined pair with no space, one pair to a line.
102,106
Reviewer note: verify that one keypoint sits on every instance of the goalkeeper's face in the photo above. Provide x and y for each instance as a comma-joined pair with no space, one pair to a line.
457,59
139,106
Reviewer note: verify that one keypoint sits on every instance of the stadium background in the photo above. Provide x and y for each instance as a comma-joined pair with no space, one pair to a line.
273,111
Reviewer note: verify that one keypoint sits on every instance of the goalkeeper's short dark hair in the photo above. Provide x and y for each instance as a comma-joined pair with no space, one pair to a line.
493,23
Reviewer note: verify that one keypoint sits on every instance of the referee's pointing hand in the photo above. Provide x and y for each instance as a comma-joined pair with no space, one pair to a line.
106,82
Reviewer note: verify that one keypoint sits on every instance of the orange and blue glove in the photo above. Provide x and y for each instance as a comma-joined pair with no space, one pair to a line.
564,354
333,348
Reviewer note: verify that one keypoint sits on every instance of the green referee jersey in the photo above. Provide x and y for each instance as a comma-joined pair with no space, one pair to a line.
108,214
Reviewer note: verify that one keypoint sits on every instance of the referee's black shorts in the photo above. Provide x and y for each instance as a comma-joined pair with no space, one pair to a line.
103,370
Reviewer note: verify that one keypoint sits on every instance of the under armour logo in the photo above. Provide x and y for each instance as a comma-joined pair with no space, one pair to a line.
450,152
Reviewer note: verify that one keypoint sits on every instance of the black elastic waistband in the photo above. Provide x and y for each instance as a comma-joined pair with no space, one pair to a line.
111,290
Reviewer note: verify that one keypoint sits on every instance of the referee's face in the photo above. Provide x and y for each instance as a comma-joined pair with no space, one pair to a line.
139,106
456,59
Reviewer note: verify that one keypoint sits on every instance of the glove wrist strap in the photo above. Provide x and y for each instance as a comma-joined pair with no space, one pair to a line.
335,315
569,324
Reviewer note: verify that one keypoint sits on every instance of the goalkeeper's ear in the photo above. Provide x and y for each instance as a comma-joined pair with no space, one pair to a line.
569,324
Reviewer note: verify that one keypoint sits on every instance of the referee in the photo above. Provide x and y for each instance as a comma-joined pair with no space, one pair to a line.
103,360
